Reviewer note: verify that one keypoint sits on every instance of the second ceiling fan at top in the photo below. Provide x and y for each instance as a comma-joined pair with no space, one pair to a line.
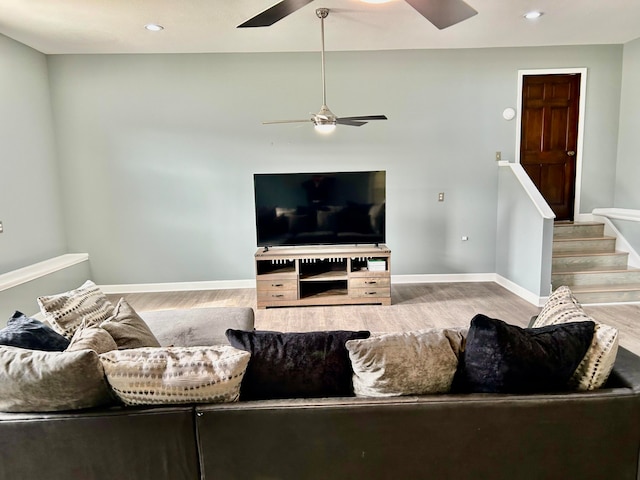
325,120
442,13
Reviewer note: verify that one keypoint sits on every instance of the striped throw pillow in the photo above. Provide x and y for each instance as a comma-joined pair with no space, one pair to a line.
66,311
594,370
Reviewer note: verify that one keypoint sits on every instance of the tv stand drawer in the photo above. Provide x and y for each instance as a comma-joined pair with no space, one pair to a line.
370,282
277,296
374,292
276,290
274,285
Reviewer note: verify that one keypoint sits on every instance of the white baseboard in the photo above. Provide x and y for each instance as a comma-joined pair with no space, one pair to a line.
397,279
521,292
444,278
178,286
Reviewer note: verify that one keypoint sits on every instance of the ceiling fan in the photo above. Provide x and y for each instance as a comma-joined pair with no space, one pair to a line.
442,13
325,120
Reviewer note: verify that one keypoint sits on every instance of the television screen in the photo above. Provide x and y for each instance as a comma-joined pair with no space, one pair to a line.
320,208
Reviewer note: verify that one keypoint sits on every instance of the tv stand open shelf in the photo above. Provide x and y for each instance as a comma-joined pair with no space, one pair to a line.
322,275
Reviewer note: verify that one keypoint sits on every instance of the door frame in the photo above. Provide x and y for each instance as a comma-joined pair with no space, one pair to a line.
581,112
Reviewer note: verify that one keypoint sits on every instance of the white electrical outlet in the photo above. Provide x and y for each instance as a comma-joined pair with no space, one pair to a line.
1,228
441,197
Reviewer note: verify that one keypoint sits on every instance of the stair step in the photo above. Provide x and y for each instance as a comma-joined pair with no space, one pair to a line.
588,245
606,293
597,277
578,230
573,262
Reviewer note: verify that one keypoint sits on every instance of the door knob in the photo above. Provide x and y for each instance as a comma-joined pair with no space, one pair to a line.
571,153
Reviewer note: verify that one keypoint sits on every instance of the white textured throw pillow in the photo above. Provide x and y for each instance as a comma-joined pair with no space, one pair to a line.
66,311
594,370
173,375
408,363
561,307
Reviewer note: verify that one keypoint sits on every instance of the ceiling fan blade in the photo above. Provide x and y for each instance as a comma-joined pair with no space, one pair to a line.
275,13
286,121
365,117
349,121
443,13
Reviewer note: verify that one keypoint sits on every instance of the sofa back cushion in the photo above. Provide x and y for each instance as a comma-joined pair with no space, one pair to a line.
197,326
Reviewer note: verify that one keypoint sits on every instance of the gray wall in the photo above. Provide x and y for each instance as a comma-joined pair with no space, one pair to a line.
524,237
628,168
157,152
30,207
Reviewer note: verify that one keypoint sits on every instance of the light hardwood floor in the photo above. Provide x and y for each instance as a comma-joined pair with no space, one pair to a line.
414,306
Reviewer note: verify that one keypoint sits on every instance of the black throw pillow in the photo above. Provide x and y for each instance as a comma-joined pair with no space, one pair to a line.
25,332
503,358
295,365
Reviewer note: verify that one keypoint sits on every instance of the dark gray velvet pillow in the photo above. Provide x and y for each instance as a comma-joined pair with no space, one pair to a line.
25,332
503,358
295,365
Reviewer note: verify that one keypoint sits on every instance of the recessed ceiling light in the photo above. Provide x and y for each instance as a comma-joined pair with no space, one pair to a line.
532,15
376,1
153,27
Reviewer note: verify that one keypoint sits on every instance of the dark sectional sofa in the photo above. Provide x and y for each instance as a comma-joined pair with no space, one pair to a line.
582,435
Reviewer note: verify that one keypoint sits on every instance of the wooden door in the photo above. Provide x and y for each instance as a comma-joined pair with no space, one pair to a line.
550,105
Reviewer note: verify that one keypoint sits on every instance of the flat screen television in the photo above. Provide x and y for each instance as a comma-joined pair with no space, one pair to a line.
336,208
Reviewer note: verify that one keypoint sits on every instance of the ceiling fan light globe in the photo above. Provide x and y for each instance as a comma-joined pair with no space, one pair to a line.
325,128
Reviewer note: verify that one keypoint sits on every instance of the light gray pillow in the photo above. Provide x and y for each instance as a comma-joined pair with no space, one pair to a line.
174,375
128,329
407,363
38,381
92,337
65,311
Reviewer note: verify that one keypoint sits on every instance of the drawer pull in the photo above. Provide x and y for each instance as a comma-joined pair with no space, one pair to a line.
277,295
370,293
277,285
373,282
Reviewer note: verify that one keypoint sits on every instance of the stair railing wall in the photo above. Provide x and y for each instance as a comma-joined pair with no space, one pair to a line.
624,224
524,234
20,288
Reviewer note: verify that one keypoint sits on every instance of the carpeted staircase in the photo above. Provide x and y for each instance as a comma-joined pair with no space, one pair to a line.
586,261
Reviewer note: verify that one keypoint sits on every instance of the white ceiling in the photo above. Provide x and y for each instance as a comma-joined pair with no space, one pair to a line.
117,26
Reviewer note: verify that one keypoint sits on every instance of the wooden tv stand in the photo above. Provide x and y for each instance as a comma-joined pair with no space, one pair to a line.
322,275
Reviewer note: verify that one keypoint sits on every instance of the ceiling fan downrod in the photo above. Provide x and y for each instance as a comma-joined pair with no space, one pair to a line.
323,13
